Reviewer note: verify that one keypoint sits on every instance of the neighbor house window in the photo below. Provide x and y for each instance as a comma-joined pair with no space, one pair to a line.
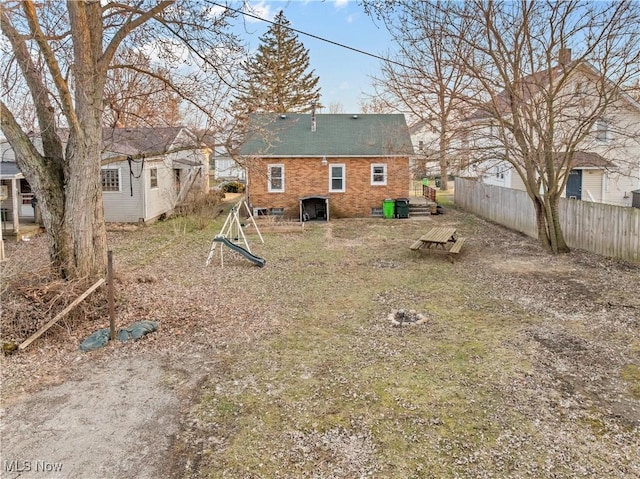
379,174
153,178
110,179
276,178
603,130
336,178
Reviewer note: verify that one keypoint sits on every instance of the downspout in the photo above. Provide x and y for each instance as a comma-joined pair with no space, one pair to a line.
326,204
16,208
143,190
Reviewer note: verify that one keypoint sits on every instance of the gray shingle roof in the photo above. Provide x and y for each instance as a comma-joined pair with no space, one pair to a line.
9,169
289,135
130,141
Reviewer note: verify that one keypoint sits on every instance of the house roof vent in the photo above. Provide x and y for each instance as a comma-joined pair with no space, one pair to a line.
283,116
355,117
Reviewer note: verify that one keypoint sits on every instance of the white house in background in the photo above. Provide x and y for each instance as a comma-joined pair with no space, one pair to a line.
226,168
606,167
146,173
156,170
425,141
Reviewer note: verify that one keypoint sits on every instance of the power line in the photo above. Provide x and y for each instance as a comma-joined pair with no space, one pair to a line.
332,42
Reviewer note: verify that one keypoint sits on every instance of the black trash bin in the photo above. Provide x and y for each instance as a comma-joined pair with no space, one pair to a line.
402,207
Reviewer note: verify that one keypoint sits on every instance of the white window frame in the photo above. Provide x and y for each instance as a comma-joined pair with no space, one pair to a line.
270,187
603,130
343,177
151,178
382,182
119,174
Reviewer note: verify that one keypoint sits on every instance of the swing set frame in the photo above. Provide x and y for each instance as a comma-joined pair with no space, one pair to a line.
233,230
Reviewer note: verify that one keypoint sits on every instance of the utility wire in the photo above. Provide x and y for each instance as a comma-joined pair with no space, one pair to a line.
332,42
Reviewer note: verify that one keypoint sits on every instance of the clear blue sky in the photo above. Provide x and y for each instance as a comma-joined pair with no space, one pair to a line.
344,74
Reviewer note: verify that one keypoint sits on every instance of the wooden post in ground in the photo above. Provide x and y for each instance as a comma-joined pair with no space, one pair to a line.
112,315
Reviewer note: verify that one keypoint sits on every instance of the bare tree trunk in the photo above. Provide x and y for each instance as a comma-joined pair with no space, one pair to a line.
85,252
558,244
550,232
442,156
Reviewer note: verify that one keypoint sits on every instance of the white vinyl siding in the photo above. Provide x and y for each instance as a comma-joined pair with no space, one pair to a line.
592,185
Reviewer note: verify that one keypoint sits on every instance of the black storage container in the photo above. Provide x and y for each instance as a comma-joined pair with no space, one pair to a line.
402,207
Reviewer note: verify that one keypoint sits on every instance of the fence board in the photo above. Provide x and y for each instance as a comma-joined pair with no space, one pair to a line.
608,230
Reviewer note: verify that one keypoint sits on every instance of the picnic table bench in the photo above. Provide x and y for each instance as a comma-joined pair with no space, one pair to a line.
438,239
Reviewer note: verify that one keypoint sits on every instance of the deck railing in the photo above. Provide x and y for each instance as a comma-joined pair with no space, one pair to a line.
429,193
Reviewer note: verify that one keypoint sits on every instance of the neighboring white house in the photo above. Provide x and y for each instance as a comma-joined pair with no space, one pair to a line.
226,168
424,138
146,173
156,170
606,166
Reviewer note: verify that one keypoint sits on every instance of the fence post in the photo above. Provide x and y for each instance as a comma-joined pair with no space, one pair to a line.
112,319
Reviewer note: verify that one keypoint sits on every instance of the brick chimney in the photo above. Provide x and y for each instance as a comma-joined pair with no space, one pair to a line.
564,56
313,116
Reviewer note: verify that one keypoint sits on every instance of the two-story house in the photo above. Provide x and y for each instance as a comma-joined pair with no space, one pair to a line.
605,166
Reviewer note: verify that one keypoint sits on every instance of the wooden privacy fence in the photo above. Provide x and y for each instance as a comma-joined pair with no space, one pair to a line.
608,230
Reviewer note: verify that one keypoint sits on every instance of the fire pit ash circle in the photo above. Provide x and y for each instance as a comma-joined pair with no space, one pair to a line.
403,317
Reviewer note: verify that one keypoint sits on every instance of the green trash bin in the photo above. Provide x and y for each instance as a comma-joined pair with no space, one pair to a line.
388,208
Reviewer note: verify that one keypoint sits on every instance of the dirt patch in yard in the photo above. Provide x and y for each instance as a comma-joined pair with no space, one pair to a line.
526,366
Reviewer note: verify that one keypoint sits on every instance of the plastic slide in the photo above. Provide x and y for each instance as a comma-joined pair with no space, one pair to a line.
257,260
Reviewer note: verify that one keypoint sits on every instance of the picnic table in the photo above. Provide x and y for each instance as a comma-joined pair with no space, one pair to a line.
440,238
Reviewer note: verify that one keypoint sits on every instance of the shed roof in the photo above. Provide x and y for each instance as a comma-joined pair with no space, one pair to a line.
9,170
292,135
150,140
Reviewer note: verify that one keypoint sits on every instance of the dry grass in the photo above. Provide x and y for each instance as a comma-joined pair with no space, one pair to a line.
526,364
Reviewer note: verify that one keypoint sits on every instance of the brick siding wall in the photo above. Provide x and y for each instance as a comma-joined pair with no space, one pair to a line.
308,177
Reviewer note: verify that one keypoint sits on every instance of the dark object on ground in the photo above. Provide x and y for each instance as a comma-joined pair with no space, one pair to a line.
100,337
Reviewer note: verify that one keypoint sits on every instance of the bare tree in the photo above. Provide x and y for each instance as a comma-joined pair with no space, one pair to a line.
542,105
424,77
336,107
535,106
138,94
63,53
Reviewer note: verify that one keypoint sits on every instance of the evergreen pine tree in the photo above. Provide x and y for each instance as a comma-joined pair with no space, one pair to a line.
276,78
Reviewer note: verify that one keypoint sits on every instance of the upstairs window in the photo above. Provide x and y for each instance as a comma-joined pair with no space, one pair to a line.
110,179
603,130
337,178
276,178
378,174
